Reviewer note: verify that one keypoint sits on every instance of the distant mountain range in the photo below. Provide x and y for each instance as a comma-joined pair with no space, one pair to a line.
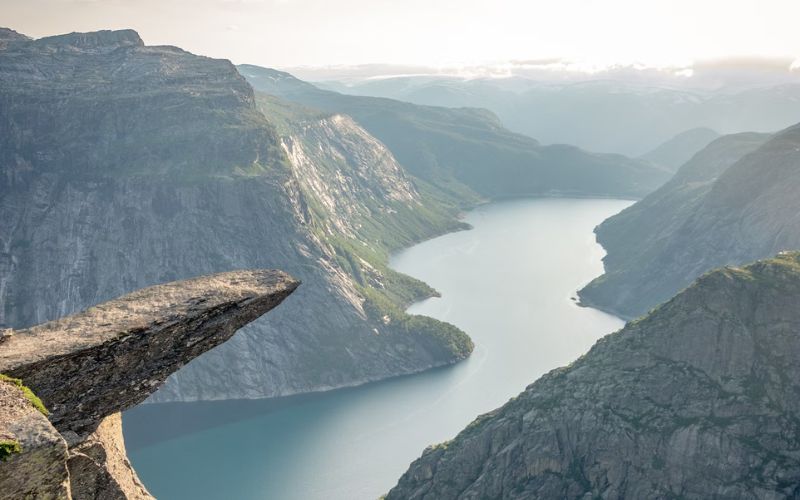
467,150
614,116
123,165
680,149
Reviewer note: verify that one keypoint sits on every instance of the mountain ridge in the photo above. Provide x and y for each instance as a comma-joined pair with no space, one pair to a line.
680,148
467,151
645,114
127,167
742,210
698,399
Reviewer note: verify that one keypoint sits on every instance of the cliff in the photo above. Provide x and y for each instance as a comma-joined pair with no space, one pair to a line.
464,152
698,399
124,165
733,203
63,438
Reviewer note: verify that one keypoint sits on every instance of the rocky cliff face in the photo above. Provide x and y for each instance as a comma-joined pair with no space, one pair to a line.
124,165
42,471
663,242
467,151
699,399
88,367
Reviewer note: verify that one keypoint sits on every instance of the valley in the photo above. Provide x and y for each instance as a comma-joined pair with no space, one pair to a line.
508,281
530,278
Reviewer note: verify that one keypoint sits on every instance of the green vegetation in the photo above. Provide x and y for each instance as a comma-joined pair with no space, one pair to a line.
374,227
29,395
8,447
467,151
450,338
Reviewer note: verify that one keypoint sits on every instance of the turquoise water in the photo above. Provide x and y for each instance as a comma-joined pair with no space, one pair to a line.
509,283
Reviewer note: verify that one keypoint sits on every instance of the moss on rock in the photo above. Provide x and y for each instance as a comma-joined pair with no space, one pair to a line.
29,395
8,447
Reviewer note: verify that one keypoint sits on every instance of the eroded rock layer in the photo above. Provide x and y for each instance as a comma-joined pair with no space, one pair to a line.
88,367
114,355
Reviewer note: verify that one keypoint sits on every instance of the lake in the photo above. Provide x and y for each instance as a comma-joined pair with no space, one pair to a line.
510,283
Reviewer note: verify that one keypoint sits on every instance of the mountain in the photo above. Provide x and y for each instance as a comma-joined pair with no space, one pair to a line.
680,149
123,165
732,203
607,114
466,151
698,399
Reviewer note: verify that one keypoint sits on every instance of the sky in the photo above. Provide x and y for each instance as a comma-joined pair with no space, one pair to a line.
292,33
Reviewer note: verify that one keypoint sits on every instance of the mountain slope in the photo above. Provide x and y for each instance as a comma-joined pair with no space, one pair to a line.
617,114
466,150
680,149
699,399
661,244
124,165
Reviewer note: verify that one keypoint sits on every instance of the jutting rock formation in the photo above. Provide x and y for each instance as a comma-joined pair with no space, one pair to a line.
88,367
108,144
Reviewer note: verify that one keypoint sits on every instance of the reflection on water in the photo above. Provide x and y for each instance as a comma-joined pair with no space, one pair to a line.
509,283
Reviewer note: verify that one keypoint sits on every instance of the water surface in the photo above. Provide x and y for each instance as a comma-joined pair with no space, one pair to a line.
509,283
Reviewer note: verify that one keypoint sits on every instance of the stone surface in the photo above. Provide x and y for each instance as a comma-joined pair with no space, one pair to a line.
39,470
124,165
90,366
700,399
662,243
112,356
99,467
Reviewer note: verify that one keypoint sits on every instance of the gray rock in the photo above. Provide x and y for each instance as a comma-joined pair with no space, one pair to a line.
39,468
90,366
697,400
662,243
112,356
99,466
124,165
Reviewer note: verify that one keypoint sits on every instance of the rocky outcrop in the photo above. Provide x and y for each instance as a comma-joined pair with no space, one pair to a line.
88,367
108,144
33,455
662,243
99,467
698,399
112,356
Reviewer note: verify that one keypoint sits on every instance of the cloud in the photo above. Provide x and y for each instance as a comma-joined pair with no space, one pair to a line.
795,66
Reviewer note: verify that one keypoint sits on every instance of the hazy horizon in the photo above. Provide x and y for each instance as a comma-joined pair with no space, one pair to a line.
481,36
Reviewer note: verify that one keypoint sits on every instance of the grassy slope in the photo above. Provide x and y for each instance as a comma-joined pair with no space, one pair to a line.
365,254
